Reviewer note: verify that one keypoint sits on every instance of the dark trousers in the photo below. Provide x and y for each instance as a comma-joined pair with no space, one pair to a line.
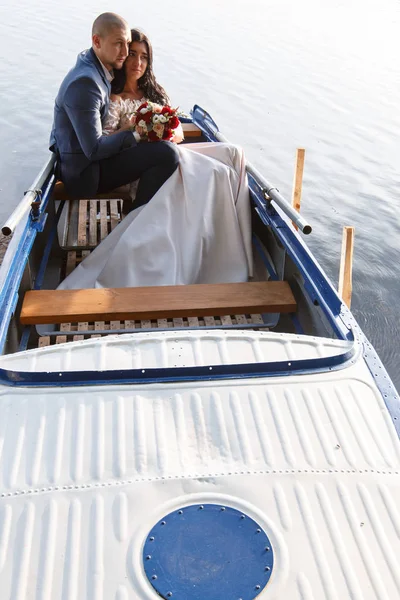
152,162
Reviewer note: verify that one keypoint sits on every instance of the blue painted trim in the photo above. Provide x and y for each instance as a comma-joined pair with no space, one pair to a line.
26,334
264,258
8,302
168,375
46,253
9,291
41,272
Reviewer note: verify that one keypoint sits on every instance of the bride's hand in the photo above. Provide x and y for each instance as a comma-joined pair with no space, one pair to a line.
129,124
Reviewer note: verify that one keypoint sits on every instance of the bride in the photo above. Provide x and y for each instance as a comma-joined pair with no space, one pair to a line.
196,228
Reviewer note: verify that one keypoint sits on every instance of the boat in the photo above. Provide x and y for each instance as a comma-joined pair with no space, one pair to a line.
227,442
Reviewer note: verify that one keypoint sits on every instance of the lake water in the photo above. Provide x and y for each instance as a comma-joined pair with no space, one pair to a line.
275,76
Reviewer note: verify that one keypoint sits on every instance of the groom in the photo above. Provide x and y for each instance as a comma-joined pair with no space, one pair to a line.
90,162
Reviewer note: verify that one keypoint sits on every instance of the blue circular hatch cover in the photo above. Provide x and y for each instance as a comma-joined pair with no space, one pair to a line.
208,551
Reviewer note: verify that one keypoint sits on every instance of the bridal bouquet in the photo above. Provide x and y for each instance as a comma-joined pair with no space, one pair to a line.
154,122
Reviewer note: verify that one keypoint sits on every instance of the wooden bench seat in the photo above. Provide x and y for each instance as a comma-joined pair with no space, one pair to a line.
108,304
120,193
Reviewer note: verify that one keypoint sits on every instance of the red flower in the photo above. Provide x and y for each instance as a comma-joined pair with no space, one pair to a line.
167,135
174,122
165,110
152,136
144,105
147,116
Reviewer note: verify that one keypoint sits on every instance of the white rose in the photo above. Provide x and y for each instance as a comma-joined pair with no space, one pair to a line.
163,119
156,118
143,124
143,111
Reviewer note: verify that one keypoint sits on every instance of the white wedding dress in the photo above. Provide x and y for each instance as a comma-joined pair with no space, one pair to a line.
195,229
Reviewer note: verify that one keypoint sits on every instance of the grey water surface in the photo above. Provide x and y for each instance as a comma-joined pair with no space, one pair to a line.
275,76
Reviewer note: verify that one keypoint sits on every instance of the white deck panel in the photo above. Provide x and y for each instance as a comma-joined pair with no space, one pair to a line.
172,349
85,474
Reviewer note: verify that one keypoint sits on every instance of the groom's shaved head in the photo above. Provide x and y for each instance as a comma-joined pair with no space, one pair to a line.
111,37
107,22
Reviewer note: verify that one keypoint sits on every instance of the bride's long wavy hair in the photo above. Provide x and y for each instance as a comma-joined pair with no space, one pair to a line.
152,90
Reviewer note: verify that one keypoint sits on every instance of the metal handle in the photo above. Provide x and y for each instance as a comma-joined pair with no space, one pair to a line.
271,193
29,197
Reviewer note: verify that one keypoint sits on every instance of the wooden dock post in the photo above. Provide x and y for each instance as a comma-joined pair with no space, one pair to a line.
346,265
298,180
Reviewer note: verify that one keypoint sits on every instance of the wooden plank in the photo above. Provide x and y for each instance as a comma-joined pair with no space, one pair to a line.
59,306
103,219
71,262
82,223
114,213
44,341
226,320
99,326
93,223
241,319
346,265
257,319
162,323
73,223
191,130
193,322
209,321
177,322
83,326
62,339
298,180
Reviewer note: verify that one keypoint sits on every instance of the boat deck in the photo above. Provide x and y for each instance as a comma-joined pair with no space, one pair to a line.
87,222
86,474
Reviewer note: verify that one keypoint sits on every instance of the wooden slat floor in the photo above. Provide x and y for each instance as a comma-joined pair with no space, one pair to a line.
91,221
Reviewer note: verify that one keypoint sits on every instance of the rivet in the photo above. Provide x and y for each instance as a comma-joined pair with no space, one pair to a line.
258,531
148,557
163,523
201,507
180,512
152,539
169,594
267,569
258,587
154,576
223,508
267,548
242,517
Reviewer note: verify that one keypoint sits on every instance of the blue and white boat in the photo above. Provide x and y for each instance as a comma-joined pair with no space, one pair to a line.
188,455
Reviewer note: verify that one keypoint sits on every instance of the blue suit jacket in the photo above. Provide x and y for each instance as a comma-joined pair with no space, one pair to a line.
80,108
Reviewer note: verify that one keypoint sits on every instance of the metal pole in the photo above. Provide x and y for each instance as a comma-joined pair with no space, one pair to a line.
29,197
271,193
